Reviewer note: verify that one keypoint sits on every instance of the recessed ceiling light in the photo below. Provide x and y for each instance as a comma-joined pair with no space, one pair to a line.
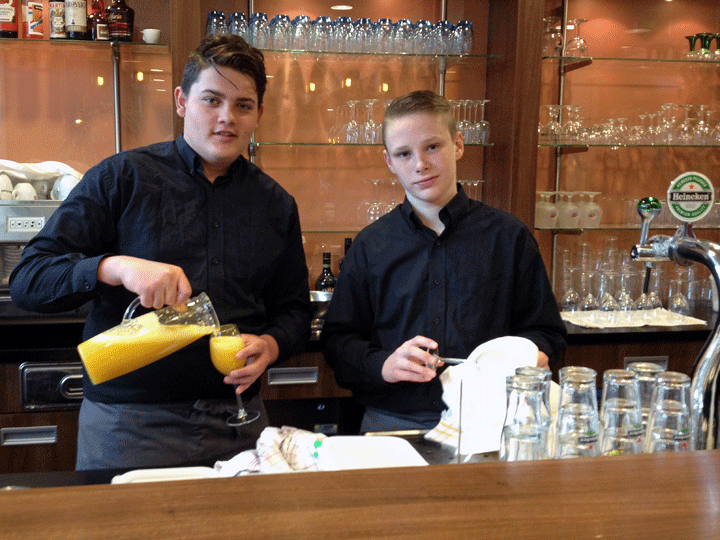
341,7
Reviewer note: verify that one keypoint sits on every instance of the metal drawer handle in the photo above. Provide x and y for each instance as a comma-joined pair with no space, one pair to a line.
292,375
71,386
23,436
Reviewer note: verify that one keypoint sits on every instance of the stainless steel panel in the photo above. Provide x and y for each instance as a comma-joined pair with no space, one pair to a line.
50,386
23,436
19,222
293,375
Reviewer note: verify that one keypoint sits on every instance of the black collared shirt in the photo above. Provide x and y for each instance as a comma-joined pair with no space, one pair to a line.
238,239
482,278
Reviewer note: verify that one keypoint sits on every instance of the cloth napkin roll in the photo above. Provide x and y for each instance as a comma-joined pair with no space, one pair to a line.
484,398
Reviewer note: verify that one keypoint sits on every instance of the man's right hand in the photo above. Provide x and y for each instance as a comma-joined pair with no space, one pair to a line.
408,362
157,284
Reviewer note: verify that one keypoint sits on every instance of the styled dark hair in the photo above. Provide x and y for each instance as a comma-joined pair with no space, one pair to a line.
420,101
230,51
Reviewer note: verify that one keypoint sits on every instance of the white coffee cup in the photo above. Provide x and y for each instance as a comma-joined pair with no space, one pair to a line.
151,35
24,192
42,188
6,188
63,186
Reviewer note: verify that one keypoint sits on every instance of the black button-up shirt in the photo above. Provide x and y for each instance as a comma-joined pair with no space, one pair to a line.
482,278
238,239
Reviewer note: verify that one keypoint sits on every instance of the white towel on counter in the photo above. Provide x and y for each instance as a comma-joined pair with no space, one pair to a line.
484,399
284,449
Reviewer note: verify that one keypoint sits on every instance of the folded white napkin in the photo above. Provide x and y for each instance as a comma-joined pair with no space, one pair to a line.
484,398
47,170
284,449
620,319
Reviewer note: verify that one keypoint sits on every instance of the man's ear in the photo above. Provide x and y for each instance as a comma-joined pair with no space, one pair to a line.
388,161
180,101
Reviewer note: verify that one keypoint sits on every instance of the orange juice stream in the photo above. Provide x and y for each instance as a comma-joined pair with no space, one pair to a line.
222,353
128,347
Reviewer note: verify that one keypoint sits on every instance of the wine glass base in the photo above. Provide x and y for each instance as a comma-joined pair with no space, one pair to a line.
250,416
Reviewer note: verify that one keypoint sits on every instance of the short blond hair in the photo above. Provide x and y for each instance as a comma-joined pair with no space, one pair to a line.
420,101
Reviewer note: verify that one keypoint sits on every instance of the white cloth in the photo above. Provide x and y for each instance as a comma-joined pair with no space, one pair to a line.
284,449
484,398
625,319
28,172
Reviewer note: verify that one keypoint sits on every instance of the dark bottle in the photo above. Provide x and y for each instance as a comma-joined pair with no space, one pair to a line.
76,19
8,19
326,279
97,23
120,19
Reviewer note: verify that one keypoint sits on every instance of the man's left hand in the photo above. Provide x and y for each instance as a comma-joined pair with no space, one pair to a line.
259,352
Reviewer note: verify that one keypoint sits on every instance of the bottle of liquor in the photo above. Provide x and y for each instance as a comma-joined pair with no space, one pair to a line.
32,19
97,23
8,19
57,20
326,279
76,19
120,20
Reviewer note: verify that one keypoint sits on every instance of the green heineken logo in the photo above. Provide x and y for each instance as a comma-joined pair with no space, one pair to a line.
690,196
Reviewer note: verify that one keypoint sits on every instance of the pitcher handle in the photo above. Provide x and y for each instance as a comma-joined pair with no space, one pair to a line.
131,309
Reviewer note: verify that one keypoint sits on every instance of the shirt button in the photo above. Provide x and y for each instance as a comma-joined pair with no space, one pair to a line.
436,321
215,261
437,281
216,224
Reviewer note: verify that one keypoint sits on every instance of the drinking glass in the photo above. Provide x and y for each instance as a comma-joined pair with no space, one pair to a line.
442,37
685,131
402,36
259,30
523,436
279,32
543,376
577,46
677,301
422,37
343,35
690,55
546,213
670,426
392,204
591,212
300,33
382,36
215,23
320,33
577,421
351,130
570,300
375,210
463,38
371,129
224,345
363,35
621,429
553,39
480,126
646,374
704,52
551,133
238,25
464,126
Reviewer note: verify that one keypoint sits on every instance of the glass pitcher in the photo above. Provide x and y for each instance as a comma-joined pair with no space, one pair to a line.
135,343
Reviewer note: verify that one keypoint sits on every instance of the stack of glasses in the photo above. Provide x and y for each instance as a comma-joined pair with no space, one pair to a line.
643,409
344,35
704,53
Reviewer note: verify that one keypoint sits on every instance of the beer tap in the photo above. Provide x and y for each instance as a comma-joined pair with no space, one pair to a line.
648,209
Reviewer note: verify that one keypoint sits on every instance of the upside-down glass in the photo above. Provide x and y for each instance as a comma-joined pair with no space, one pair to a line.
259,30
215,23
552,40
577,46
375,210
524,433
238,25
647,375
343,35
320,33
670,425
363,35
224,345
280,34
402,36
577,421
463,38
621,428
382,36
351,130
421,38
544,378
442,36
370,128
300,33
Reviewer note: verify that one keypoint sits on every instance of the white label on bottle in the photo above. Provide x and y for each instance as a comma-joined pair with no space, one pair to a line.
33,19
7,11
57,20
76,15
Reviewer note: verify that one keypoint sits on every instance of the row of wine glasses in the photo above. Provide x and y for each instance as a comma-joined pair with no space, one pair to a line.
345,35
553,44
567,212
673,124
369,211
470,120
704,52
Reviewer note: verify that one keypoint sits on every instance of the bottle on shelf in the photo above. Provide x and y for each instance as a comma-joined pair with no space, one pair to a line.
120,19
8,19
32,19
326,279
76,19
56,20
97,23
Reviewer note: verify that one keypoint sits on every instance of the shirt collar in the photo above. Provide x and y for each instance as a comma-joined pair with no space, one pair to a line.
194,163
450,214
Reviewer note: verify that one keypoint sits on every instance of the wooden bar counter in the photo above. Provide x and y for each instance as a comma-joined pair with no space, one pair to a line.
646,496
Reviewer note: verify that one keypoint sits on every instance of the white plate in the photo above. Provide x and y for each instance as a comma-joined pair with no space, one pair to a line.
162,475
360,452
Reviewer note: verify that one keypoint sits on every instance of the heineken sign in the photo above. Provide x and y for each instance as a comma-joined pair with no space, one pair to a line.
690,197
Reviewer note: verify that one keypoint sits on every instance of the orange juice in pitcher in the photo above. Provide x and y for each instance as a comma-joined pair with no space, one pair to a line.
135,343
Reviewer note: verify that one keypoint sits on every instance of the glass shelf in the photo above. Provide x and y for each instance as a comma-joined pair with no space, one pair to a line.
449,58
79,44
623,228
616,146
570,60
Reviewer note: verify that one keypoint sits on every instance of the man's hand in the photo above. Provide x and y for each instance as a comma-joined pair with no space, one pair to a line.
408,361
543,361
259,352
157,284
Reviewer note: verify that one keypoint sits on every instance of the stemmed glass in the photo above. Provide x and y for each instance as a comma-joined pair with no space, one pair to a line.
577,46
551,132
224,345
703,130
371,129
375,210
553,40
392,204
691,53
481,127
351,130
461,114
685,133
677,302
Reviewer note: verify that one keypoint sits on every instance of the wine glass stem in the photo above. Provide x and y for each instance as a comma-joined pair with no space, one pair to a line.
375,195
241,415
